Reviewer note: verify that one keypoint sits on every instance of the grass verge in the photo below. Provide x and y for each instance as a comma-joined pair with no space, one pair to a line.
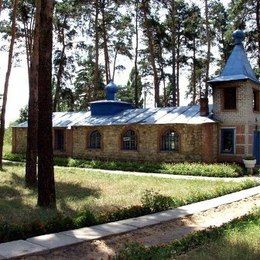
185,168
238,239
85,198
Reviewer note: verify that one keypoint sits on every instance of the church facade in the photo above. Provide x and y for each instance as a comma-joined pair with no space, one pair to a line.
228,130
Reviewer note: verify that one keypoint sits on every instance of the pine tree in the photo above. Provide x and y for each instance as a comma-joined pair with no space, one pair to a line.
46,184
7,77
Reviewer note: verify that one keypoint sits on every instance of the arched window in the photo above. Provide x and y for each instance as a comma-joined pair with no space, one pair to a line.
129,140
95,140
170,141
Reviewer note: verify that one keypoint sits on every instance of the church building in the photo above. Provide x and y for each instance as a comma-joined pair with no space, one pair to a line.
228,130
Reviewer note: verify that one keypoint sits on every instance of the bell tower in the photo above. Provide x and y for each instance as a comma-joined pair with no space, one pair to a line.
236,104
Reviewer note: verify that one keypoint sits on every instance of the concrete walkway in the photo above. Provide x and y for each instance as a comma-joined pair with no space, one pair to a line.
46,243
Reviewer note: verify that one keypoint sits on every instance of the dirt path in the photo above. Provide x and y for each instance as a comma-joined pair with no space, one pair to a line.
154,235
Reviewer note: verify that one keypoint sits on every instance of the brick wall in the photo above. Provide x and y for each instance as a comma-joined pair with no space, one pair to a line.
244,113
244,120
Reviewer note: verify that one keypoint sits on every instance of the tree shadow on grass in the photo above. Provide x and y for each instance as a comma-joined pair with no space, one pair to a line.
7,192
74,192
16,200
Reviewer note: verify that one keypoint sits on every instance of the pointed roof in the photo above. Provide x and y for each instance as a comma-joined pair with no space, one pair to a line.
237,66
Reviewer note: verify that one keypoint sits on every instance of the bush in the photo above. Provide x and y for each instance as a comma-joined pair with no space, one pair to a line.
14,157
203,169
156,202
85,219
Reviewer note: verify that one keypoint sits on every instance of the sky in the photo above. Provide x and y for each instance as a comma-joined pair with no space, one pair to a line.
18,85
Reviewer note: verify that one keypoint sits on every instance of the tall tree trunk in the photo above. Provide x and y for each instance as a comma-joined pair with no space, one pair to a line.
56,101
178,70
6,84
194,94
104,32
96,72
114,64
1,6
46,183
162,75
152,53
28,47
208,49
258,30
173,43
31,152
136,54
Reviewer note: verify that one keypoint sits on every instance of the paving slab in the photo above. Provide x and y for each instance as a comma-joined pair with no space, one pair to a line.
140,222
87,233
170,214
226,199
52,241
20,248
115,228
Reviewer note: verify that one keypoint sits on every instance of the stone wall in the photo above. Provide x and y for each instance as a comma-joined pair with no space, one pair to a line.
196,143
19,140
19,135
191,147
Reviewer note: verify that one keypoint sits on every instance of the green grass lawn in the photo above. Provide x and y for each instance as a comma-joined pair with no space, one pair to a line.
240,241
78,189
236,240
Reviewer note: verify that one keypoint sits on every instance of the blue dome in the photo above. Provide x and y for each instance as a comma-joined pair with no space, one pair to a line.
111,90
238,36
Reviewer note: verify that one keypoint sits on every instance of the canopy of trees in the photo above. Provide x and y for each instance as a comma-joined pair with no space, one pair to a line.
160,39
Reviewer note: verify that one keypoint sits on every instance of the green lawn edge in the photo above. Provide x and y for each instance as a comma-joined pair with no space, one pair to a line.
185,168
151,203
137,251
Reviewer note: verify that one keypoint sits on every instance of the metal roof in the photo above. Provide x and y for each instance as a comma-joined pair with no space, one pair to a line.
237,66
167,115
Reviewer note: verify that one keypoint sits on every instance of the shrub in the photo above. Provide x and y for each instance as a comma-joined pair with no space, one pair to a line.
85,219
202,169
60,161
14,157
156,202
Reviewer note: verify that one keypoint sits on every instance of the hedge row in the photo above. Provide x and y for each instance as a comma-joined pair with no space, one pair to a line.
185,168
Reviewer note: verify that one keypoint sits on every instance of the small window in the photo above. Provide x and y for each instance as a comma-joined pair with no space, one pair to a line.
170,141
129,140
229,98
227,141
59,140
95,140
256,105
